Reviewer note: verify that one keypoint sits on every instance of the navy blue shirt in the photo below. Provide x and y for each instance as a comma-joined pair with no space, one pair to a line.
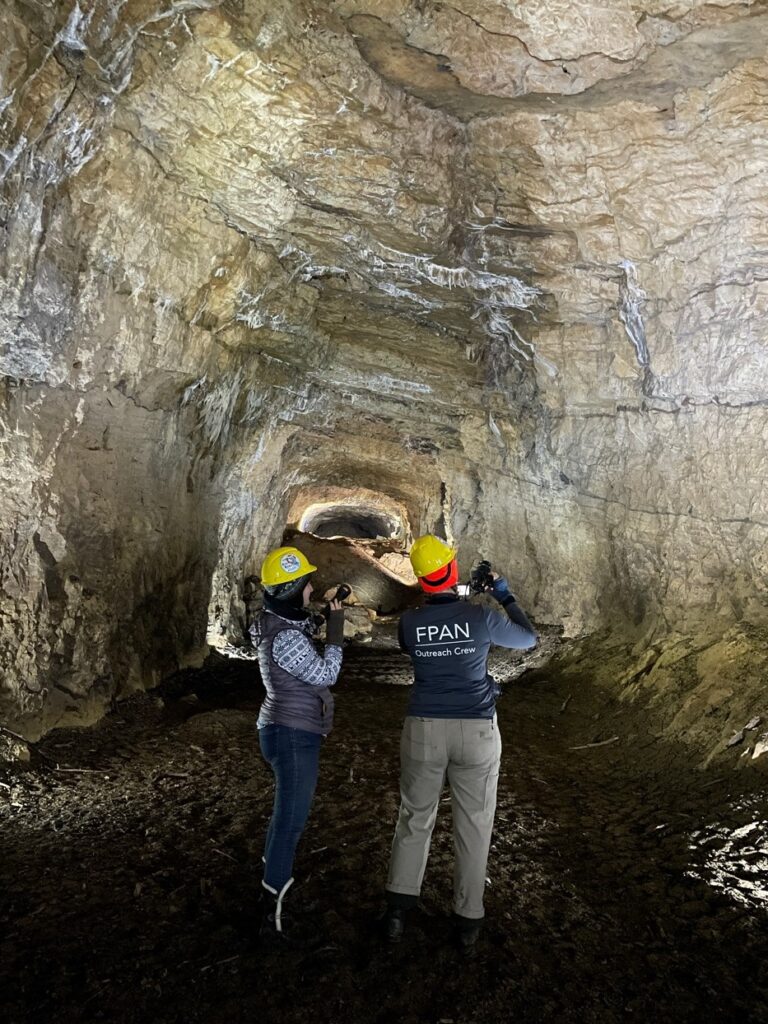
448,641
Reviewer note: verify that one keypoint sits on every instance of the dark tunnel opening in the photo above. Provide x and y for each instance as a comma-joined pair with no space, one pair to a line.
350,521
355,521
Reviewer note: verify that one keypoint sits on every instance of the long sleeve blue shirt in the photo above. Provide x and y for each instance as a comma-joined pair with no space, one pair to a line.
448,641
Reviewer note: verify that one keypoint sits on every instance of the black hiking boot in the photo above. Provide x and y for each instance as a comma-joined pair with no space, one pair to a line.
394,920
396,914
468,934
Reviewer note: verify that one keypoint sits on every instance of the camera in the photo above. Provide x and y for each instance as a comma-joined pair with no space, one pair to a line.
342,593
481,577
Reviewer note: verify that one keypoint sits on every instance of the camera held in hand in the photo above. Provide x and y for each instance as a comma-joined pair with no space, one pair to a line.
341,594
481,578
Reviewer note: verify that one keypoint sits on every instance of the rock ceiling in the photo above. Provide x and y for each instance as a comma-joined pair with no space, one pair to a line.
503,263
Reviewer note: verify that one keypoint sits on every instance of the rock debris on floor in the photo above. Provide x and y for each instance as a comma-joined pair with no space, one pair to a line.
616,886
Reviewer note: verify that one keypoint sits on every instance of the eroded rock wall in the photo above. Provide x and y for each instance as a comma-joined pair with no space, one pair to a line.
655,417
505,267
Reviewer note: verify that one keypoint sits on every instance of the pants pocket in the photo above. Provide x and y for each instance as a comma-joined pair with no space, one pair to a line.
481,734
491,789
417,741
476,791
481,744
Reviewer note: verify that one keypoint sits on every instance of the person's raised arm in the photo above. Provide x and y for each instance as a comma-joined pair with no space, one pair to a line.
515,630
334,630
294,651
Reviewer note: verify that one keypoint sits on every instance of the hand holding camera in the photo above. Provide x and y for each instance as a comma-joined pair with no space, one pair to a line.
334,605
334,615
483,580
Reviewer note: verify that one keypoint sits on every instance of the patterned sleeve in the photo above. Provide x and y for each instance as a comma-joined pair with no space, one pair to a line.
294,652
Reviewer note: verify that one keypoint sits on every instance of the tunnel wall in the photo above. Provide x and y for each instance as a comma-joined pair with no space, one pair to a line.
243,255
107,554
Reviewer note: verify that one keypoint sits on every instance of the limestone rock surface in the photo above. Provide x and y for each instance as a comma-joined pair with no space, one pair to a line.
504,265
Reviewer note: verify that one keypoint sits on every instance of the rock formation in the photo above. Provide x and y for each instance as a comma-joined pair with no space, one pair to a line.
502,265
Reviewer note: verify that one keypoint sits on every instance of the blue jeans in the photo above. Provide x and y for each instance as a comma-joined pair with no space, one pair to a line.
294,757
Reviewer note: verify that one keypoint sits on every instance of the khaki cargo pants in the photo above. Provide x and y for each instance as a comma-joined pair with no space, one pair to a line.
467,751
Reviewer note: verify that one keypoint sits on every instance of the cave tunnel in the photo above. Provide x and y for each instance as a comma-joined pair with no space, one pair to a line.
338,276
353,511
352,521
357,536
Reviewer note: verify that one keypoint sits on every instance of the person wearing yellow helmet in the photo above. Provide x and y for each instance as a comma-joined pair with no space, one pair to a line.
285,572
297,711
434,562
450,731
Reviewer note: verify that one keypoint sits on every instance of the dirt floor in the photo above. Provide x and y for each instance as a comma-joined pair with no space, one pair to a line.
624,883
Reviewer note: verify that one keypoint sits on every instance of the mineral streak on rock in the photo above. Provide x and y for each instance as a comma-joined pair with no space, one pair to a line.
502,264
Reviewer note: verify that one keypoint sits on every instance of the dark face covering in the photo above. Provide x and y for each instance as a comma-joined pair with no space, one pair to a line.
291,606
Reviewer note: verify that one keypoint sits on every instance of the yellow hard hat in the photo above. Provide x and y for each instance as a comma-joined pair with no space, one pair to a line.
429,554
283,565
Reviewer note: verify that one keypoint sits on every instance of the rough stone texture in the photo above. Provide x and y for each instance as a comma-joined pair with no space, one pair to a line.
707,689
13,749
373,584
504,264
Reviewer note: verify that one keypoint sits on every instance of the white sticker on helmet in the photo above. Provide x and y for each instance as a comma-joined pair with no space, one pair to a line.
290,563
